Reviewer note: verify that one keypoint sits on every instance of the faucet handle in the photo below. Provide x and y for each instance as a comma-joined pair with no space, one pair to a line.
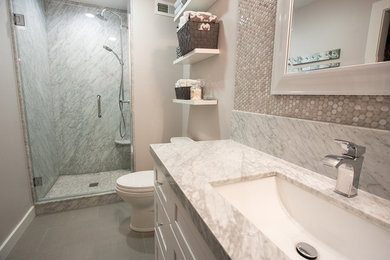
351,149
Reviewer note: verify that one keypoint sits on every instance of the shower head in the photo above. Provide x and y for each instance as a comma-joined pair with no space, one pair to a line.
107,48
100,14
116,55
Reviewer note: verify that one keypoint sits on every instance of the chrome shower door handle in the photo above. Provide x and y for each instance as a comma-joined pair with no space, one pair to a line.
99,105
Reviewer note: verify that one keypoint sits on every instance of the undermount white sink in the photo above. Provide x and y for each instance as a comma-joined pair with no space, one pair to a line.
288,214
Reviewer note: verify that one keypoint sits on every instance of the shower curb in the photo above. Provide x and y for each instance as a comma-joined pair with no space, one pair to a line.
54,206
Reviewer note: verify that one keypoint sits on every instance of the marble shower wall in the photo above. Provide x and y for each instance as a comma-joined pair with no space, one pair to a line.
63,68
80,69
37,92
305,143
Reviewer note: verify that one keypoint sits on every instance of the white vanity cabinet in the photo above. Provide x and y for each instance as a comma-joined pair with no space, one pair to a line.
176,236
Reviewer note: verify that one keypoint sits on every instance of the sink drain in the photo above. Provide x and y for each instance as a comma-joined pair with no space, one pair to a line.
306,250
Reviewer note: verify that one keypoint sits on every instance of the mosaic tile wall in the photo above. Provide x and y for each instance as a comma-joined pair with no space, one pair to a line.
256,28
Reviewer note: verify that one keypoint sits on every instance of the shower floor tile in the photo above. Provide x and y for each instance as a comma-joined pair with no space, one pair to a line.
84,184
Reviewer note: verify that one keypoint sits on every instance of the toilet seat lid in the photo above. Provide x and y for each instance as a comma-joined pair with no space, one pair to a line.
142,180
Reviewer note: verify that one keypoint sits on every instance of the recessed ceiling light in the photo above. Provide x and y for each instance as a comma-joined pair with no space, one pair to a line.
89,15
113,39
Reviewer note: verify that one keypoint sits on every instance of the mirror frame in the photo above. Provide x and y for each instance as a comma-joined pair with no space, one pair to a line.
362,79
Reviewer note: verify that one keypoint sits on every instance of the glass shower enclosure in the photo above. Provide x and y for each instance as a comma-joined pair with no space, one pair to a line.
75,95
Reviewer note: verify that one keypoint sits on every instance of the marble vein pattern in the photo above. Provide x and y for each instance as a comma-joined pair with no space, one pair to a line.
193,167
81,69
37,92
305,143
78,184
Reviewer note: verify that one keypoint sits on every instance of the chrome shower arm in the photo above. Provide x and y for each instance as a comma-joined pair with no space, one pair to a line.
119,59
120,31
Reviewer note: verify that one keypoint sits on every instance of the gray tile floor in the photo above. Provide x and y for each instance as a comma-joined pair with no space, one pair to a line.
78,184
94,233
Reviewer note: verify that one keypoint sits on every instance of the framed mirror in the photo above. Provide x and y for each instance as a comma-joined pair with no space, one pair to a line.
332,47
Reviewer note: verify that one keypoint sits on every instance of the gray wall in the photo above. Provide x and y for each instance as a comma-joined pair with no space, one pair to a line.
212,122
37,92
14,182
156,118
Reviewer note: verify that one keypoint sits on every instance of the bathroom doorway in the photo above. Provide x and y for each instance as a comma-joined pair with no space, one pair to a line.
74,79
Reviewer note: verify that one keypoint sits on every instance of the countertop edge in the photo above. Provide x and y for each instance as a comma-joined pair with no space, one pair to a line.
217,249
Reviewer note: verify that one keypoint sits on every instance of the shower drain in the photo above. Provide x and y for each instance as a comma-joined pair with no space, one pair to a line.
306,250
93,184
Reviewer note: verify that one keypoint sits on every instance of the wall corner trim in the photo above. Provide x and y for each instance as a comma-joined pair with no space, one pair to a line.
12,239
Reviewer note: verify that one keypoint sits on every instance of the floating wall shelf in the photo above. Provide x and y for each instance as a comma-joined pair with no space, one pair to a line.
196,55
195,5
203,102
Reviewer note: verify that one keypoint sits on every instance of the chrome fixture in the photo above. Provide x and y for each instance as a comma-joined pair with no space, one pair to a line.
99,106
124,101
116,55
306,250
19,20
315,67
349,166
101,15
315,57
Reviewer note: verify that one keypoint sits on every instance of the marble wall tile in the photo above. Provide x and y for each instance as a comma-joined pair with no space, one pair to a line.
305,143
37,93
255,42
81,69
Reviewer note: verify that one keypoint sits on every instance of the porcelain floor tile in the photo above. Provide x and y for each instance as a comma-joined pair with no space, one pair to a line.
106,236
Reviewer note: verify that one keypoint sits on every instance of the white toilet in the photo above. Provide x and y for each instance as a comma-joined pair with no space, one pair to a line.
137,189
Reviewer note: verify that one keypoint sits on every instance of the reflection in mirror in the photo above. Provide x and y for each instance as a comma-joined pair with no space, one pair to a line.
337,33
355,65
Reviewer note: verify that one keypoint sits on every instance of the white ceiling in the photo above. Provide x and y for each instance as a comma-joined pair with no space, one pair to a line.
117,4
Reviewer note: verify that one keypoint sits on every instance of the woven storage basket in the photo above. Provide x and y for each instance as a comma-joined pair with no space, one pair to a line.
183,93
190,37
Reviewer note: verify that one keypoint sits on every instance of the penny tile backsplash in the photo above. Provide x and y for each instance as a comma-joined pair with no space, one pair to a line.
256,26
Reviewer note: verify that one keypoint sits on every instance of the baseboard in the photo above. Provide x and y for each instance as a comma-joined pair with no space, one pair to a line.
15,235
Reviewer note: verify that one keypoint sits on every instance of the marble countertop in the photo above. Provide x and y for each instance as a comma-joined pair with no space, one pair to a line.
191,167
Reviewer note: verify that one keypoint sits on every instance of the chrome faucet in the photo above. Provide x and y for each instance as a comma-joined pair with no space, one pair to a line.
349,166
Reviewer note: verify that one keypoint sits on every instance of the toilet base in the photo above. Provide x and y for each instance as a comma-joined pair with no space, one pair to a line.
137,190
142,220
141,229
